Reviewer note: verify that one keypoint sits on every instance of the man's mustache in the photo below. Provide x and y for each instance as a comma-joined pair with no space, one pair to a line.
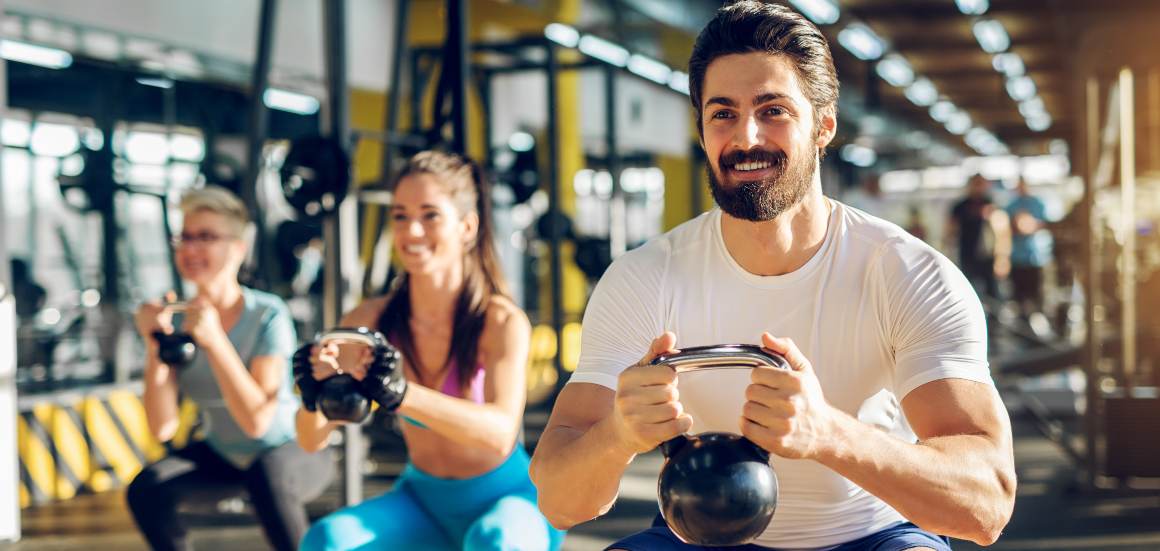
777,159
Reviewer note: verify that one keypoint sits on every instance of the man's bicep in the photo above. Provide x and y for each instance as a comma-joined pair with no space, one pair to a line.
579,406
949,407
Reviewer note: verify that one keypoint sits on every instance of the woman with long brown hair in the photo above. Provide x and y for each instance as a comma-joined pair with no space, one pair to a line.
464,345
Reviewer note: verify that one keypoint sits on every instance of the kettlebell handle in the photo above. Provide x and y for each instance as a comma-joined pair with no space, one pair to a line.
727,355
358,335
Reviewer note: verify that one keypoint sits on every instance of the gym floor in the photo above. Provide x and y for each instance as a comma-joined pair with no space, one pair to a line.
1050,513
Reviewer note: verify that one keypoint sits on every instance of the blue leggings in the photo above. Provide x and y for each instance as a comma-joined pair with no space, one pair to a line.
493,511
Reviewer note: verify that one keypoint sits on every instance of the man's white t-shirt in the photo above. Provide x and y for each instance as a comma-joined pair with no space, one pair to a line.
877,312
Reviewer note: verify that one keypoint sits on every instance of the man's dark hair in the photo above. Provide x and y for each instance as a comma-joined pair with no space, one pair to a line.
755,26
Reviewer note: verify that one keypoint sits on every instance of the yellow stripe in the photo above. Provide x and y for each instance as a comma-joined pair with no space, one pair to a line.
36,456
109,441
25,499
45,415
570,355
129,410
71,449
100,481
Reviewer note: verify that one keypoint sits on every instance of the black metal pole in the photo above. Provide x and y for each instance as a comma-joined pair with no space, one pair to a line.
418,86
259,123
554,214
456,71
391,124
338,118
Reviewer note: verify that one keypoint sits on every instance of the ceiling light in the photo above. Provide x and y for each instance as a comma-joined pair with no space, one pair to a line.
1032,107
603,50
1039,123
649,68
162,83
942,111
991,36
895,70
32,54
822,12
292,102
973,7
679,81
862,42
958,123
1021,88
1009,64
922,92
562,34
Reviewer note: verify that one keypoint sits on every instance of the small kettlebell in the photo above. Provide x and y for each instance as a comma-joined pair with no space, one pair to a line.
175,349
339,399
717,488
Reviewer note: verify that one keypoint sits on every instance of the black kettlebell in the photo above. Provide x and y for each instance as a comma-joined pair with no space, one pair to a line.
717,488
339,399
175,349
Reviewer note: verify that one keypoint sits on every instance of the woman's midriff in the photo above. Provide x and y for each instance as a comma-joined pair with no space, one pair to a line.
443,457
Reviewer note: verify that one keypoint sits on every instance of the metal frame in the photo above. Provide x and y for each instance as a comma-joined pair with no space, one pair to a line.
258,131
514,48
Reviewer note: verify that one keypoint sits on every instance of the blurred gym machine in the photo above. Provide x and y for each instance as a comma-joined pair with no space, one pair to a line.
1116,441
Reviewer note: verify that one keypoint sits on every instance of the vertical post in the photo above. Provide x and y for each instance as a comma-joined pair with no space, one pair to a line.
391,124
617,217
338,127
417,86
457,75
258,128
1128,229
1091,288
9,468
697,202
553,72
1153,111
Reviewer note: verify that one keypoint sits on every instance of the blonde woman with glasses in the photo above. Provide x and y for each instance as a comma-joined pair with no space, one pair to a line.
240,380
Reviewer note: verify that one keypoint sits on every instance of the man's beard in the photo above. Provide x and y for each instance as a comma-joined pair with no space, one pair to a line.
764,199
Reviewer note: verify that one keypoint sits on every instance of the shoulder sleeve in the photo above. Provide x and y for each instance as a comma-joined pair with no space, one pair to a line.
623,316
277,336
934,320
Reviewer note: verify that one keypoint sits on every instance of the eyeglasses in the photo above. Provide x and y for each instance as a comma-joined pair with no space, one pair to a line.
201,238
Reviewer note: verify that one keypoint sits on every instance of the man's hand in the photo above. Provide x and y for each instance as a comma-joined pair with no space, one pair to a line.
785,411
646,411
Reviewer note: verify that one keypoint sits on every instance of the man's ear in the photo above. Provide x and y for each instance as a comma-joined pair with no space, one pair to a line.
827,125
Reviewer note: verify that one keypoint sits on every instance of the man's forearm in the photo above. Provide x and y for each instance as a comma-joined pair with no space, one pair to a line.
577,472
959,486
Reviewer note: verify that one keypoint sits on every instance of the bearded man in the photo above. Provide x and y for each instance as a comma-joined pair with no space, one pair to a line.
887,433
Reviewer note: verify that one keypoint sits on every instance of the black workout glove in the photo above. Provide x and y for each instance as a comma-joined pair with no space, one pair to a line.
385,382
304,376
